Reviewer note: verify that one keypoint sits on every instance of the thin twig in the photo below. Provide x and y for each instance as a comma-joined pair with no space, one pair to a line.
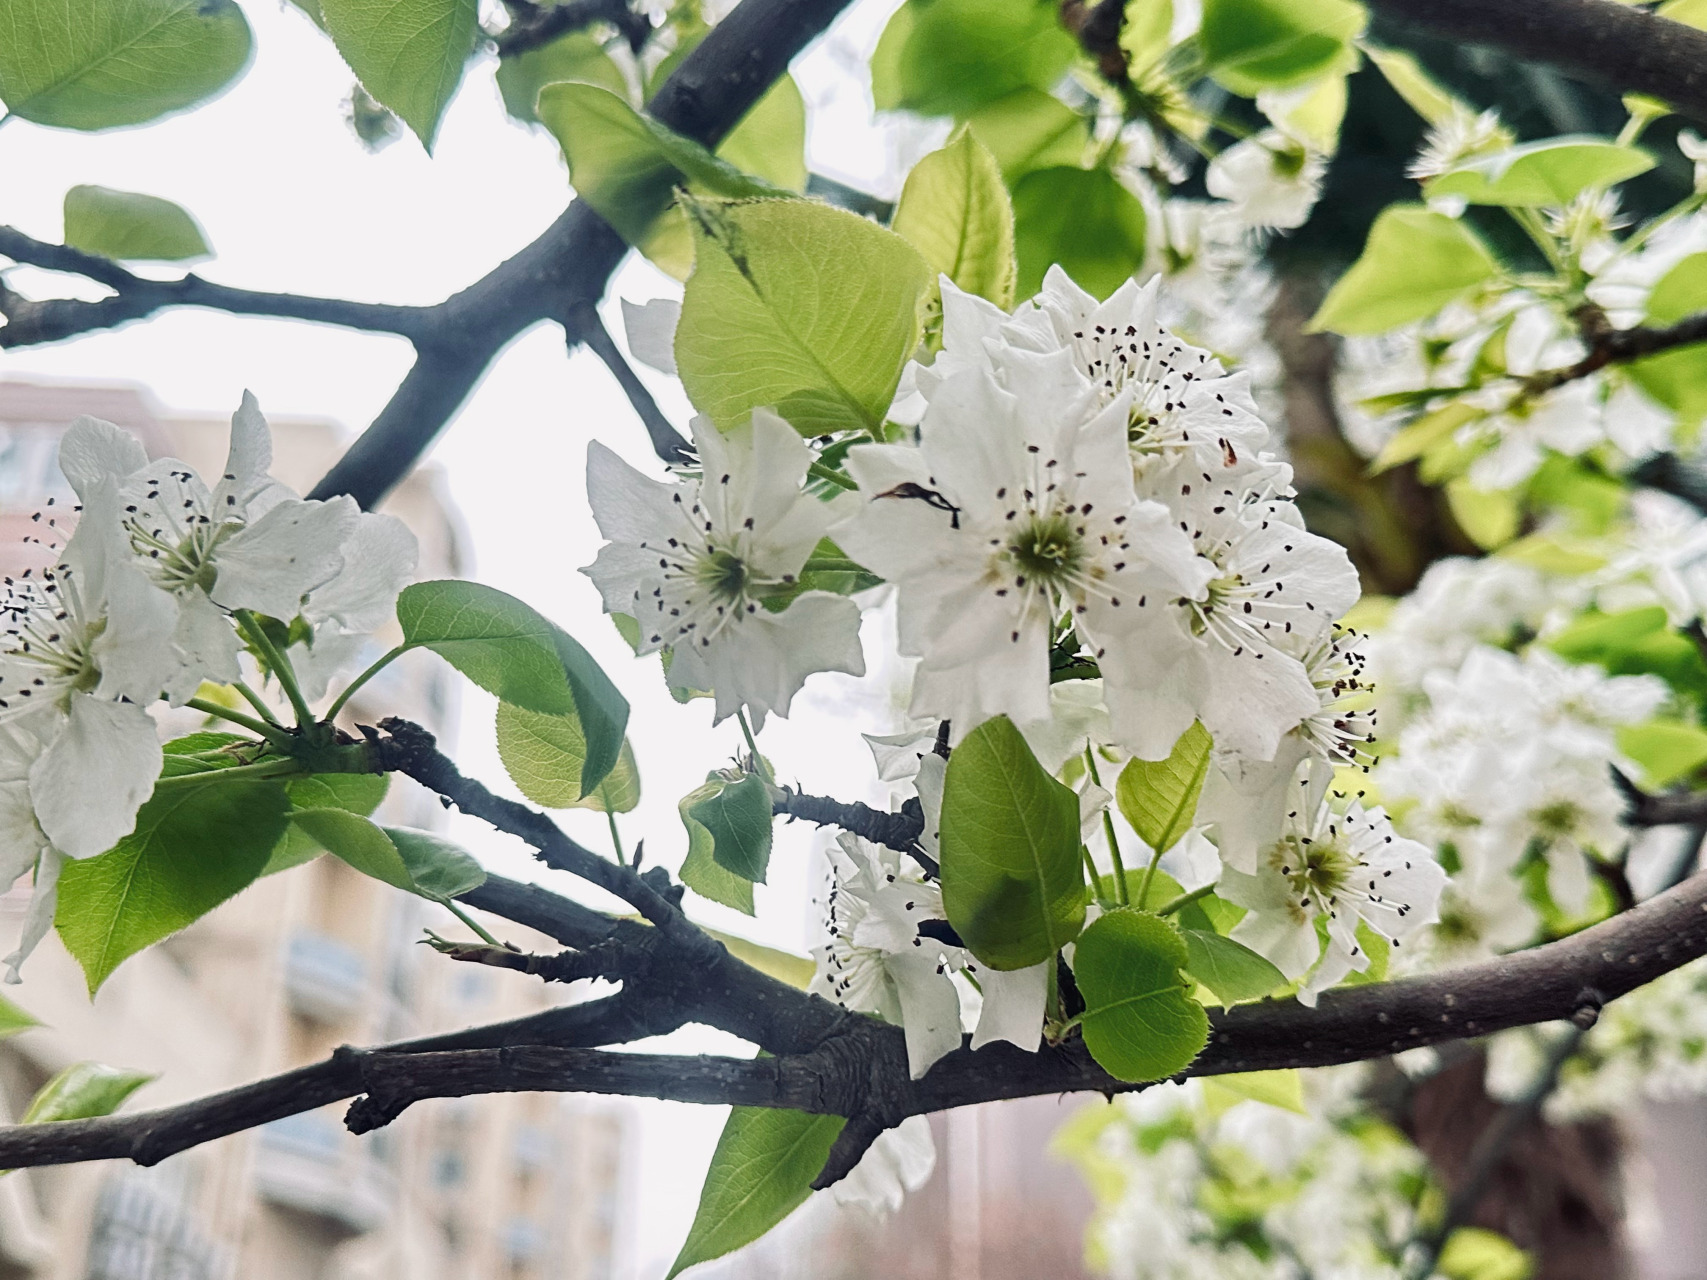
586,327
536,25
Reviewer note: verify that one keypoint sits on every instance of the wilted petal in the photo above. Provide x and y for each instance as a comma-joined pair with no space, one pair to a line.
94,775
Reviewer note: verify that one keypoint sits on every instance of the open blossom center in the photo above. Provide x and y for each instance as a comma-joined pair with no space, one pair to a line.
46,643
708,580
1049,548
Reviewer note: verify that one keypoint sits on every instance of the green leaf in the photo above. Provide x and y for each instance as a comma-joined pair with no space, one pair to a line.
1415,262
544,756
955,211
1489,516
1635,642
1677,379
84,65
14,1019
508,649
794,305
578,56
1012,881
1139,1022
1232,972
1283,1089
1028,129
439,869
949,57
699,870
1547,173
358,841
195,845
1252,45
738,816
1420,436
1082,219
1680,292
761,1172
83,1091
125,225
1420,90
1667,750
626,165
770,140
1159,797
357,792
409,54
1474,1253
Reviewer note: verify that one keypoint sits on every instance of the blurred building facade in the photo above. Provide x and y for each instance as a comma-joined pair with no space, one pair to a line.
506,1187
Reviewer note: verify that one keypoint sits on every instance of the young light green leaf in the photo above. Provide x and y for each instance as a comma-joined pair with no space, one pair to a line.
1415,262
1667,750
1139,1022
439,869
784,966
1421,92
358,841
544,756
955,211
194,846
770,140
738,816
358,793
83,1091
125,225
508,649
1474,1253
1030,129
807,309
1232,972
1159,797
626,164
579,56
1491,517
80,65
14,1019
1012,880
1252,45
761,1172
699,870
1680,292
409,54
949,57
1541,174
1421,436
1082,219
1283,1089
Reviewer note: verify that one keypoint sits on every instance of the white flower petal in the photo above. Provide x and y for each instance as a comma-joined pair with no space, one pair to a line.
94,775
930,1007
92,451
269,566
901,1160
379,560
208,644
1013,1005
651,331
38,917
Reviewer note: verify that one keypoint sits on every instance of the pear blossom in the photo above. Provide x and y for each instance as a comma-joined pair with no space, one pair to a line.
1016,508
1459,136
248,542
881,956
1694,150
901,1160
1271,179
703,565
1341,863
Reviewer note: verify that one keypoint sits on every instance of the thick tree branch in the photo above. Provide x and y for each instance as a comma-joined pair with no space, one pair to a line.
899,831
31,321
1628,49
857,1067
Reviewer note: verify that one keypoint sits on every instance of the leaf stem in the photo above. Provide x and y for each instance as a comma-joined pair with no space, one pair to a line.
1108,831
1184,900
272,732
256,700
830,476
615,839
380,665
1149,874
469,920
759,765
283,672
277,767
1103,899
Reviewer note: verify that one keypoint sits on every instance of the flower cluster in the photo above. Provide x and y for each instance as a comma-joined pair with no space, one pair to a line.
157,591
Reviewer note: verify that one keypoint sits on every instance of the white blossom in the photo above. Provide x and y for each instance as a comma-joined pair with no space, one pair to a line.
1340,863
701,564
1270,179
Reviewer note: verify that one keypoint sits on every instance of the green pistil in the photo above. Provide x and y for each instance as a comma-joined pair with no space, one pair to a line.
723,573
1314,868
1047,548
1557,819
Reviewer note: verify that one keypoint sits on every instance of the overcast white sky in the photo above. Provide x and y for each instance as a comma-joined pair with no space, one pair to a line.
290,201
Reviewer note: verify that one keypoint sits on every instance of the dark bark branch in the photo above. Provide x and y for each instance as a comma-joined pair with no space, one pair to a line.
1096,24
537,25
1623,47
1642,809
857,1067
1670,474
899,831
1619,346
32,321
668,443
